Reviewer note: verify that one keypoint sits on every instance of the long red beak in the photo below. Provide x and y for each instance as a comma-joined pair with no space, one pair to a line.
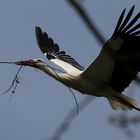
26,63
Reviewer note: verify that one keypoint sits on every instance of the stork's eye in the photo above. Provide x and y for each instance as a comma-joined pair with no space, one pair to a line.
39,60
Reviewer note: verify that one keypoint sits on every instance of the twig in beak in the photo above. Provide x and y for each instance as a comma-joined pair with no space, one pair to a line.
14,84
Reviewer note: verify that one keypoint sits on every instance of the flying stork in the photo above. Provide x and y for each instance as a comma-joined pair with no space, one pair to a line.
109,74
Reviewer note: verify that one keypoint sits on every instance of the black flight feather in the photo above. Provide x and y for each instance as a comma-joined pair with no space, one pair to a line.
51,49
127,58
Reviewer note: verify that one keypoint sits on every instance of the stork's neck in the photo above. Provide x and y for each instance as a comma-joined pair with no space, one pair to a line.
62,77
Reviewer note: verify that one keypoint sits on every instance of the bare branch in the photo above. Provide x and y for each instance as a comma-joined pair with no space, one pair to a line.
70,117
87,20
123,121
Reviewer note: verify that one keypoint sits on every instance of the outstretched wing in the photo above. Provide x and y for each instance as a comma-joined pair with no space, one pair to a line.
119,61
52,52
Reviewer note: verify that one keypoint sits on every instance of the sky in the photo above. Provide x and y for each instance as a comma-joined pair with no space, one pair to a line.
40,103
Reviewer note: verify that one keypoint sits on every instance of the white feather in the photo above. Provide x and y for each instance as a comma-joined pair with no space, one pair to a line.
66,66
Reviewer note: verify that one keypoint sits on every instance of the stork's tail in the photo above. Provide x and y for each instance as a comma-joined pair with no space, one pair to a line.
123,102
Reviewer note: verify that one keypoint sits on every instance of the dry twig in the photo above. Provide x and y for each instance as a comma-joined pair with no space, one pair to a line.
14,84
15,81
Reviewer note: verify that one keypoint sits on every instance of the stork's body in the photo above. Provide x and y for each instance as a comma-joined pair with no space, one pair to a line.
75,81
109,74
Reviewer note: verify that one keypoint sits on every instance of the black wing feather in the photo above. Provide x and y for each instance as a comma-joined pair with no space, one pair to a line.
127,18
135,33
119,21
127,58
132,22
134,29
51,49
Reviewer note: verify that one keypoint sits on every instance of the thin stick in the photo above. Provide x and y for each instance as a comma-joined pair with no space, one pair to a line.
15,80
74,99
7,63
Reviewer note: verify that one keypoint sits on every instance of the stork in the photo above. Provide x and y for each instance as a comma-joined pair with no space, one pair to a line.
109,74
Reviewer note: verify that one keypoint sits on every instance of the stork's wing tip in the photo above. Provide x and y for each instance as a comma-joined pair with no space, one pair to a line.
38,30
37,27
39,36
133,6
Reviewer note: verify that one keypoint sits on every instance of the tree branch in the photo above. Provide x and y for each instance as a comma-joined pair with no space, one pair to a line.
87,20
70,117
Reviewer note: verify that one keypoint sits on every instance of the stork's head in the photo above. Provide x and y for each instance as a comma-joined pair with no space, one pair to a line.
36,63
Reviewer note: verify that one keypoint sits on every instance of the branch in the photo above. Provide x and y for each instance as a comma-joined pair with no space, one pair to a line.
70,117
124,122
87,20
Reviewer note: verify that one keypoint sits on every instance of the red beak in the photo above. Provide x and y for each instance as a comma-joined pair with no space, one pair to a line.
26,63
